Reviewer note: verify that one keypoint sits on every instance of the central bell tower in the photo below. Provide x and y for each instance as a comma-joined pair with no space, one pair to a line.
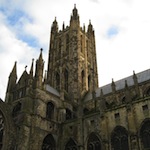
72,66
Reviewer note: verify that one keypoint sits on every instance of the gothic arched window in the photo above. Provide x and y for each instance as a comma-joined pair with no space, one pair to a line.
93,142
57,81
16,109
119,139
71,145
49,143
1,129
66,75
81,44
67,42
68,114
82,79
59,48
89,82
145,134
50,110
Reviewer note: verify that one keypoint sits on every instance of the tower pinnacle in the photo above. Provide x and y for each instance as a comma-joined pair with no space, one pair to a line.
74,17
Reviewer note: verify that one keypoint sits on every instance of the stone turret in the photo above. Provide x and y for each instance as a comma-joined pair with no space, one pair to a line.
31,69
135,79
113,86
74,21
54,27
72,67
11,83
39,71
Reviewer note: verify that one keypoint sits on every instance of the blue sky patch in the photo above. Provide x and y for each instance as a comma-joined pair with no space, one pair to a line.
14,16
16,19
30,40
112,31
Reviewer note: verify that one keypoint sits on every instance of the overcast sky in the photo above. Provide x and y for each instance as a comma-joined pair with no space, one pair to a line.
122,31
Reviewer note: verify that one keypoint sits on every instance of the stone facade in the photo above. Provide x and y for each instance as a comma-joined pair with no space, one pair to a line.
65,109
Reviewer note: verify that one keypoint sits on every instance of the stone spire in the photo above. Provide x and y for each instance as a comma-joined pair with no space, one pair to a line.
135,78
63,26
101,93
31,70
113,86
75,15
90,28
74,21
54,27
39,70
11,83
126,84
14,71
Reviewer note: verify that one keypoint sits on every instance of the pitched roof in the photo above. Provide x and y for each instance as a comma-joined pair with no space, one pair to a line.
120,84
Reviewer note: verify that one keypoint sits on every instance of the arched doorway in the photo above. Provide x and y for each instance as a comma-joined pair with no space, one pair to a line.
93,142
71,145
49,143
145,134
119,138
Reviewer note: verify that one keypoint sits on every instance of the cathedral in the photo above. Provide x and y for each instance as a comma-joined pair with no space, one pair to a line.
65,109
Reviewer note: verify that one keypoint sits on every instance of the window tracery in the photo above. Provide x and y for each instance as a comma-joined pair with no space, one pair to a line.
93,142
71,145
119,139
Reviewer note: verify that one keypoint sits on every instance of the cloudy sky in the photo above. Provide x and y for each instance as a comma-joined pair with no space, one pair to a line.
122,30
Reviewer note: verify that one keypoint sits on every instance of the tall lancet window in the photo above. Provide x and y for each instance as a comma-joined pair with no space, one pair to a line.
57,81
66,75
67,42
82,79
81,44
1,129
50,111
89,82
59,49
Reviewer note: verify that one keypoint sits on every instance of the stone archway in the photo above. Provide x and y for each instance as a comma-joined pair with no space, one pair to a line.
119,139
145,134
93,142
71,145
49,143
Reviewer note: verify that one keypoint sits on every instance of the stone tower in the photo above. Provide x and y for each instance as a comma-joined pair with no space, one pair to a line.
65,109
72,67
